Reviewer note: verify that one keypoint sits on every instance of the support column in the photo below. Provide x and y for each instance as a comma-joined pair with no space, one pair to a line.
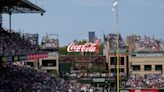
10,22
0,20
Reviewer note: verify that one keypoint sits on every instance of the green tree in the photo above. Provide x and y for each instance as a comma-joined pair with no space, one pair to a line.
63,50
101,49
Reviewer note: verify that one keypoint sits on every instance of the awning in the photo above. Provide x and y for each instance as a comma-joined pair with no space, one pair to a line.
19,6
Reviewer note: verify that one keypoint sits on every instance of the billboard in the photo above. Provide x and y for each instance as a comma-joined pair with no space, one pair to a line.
87,47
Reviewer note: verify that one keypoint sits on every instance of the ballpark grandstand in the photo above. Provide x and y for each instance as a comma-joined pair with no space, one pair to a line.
14,46
27,66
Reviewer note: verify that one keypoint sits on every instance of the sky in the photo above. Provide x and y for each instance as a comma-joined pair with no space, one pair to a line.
73,19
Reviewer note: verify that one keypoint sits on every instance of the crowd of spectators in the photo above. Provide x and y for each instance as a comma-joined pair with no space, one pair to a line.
142,43
15,43
146,81
148,44
18,78
112,38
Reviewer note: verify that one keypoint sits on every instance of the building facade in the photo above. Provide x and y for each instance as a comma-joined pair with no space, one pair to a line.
91,36
110,48
146,62
83,62
50,64
123,61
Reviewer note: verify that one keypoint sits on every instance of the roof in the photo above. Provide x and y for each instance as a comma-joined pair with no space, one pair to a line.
19,6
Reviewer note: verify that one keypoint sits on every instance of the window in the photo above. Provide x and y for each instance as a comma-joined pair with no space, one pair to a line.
136,67
30,64
113,60
122,70
122,60
158,67
98,63
82,67
48,62
147,67
113,70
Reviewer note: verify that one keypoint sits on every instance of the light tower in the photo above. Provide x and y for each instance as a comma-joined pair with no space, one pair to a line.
117,46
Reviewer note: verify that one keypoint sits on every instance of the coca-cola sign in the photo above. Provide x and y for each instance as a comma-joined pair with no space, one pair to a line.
87,47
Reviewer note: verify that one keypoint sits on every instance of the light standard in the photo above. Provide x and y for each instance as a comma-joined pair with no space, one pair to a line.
117,43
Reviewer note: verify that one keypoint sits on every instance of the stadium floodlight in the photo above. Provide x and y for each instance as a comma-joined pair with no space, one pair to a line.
114,6
115,3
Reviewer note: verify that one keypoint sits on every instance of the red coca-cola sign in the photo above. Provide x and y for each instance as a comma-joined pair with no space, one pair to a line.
87,47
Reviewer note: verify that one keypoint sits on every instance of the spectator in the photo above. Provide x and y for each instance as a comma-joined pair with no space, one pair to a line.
148,44
146,81
14,43
112,38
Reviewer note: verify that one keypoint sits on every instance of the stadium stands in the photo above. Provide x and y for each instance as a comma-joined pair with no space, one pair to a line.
14,43
112,38
146,81
148,44
15,78
18,78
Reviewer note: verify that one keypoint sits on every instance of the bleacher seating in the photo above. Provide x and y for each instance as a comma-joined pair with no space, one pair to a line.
15,43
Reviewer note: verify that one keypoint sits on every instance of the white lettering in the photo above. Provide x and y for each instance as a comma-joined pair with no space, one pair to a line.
87,47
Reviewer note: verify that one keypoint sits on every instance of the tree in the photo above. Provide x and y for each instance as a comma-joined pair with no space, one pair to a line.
101,49
63,50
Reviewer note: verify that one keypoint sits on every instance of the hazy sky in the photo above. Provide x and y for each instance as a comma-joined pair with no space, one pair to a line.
72,19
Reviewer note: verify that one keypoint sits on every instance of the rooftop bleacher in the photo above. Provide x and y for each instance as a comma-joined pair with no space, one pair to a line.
15,43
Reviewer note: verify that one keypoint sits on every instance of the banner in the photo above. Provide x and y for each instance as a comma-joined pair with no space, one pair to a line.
37,56
23,57
144,90
123,90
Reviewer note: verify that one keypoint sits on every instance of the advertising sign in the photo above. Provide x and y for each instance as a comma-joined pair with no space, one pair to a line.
123,90
23,57
87,47
149,54
37,56
98,79
144,90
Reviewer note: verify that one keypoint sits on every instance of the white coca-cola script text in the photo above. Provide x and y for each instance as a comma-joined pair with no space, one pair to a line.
87,47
